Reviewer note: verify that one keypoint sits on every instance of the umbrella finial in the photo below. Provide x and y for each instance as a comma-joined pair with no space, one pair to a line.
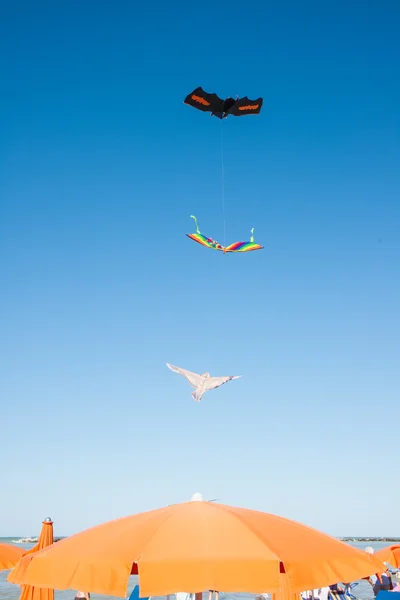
48,520
196,497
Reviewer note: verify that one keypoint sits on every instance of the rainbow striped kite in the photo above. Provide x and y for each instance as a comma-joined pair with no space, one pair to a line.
235,247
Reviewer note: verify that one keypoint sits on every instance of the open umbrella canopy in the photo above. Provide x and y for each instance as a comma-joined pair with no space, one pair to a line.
196,546
9,556
390,554
45,540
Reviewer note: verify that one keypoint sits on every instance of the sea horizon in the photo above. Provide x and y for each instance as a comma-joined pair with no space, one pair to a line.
347,538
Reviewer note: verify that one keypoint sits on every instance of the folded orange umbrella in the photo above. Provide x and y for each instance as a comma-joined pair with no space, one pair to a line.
390,554
45,540
196,546
9,556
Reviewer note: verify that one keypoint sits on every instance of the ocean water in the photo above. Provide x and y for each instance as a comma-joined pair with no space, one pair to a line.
12,592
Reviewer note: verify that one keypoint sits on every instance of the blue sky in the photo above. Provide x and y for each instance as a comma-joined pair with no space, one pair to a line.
101,166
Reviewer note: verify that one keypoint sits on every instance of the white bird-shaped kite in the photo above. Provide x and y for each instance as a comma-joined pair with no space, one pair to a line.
201,383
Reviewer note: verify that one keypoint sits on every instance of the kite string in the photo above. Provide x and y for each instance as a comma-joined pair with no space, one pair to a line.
223,182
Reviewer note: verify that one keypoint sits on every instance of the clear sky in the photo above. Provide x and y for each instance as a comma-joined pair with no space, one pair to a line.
101,165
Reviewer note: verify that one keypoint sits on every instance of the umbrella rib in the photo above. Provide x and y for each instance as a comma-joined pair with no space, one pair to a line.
168,517
254,531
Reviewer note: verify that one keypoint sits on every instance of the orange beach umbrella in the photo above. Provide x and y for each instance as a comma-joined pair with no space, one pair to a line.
196,546
390,554
45,540
9,556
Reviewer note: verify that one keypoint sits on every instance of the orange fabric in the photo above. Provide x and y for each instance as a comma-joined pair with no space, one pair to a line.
197,546
249,107
45,540
200,100
390,554
285,592
9,556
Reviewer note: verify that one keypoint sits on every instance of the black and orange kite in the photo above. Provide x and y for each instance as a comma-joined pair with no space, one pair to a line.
223,108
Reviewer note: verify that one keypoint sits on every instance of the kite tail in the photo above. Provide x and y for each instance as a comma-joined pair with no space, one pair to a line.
195,220
252,235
